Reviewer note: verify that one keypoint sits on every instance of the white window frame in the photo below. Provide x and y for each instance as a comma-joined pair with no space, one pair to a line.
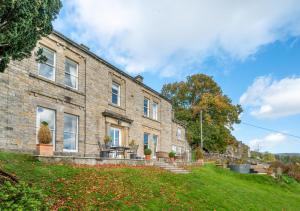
76,135
53,66
179,134
119,93
155,111
148,107
120,135
38,126
76,76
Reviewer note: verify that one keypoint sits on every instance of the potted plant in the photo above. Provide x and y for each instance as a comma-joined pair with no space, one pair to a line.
132,143
172,156
44,137
147,153
199,155
107,140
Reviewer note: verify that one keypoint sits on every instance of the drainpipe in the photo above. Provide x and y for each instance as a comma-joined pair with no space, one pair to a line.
85,119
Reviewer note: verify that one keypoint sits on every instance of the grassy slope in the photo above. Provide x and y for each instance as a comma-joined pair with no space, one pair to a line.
206,188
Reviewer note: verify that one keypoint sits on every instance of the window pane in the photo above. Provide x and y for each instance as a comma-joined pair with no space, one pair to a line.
70,131
146,107
69,141
71,67
155,106
46,71
114,99
70,80
50,56
146,136
70,123
179,133
48,116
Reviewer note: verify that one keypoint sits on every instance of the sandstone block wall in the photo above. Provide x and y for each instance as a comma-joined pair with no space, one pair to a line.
22,90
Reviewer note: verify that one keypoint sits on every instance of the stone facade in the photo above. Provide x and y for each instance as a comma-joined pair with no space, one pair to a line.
23,90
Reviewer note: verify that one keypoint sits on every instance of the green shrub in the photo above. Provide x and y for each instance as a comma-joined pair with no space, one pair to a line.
172,154
107,139
20,197
147,151
44,134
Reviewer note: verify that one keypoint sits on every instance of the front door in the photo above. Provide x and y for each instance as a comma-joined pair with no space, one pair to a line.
115,134
116,138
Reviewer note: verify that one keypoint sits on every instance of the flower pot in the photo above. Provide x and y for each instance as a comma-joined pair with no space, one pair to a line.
147,157
172,159
44,149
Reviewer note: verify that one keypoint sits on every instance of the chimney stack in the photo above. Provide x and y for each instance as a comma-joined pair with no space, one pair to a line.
139,78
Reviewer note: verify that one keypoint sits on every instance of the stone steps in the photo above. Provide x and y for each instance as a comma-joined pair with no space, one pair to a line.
171,168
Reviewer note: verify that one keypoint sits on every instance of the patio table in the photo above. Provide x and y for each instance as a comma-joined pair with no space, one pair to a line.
118,149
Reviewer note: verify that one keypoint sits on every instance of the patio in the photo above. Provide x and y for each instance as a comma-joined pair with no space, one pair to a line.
93,160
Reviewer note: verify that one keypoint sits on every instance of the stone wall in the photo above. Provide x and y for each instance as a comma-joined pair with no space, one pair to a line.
22,90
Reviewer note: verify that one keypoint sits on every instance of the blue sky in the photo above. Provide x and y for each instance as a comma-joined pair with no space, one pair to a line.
252,49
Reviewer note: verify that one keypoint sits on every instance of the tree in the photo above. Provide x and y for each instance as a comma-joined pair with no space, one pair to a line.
22,24
201,93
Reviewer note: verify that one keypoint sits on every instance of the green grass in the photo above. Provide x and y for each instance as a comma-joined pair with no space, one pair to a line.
147,188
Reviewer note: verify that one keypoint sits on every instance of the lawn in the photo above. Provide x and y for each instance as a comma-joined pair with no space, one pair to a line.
148,188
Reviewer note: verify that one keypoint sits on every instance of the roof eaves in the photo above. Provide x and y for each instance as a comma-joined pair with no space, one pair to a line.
108,64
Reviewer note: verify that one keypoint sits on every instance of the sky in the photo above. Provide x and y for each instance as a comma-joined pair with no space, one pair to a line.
251,48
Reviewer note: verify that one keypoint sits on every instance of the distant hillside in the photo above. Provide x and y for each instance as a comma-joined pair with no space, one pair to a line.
289,154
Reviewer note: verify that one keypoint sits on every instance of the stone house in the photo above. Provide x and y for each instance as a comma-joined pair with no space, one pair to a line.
83,98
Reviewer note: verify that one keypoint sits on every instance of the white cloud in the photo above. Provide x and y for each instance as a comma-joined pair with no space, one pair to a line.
171,35
268,98
267,143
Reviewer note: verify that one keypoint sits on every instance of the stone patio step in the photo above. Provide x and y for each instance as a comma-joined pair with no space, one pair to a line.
170,167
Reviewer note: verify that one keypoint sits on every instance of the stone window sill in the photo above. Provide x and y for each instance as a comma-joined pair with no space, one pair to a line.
116,106
146,117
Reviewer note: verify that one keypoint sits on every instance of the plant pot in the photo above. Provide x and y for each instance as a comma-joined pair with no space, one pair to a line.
172,159
44,149
147,157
